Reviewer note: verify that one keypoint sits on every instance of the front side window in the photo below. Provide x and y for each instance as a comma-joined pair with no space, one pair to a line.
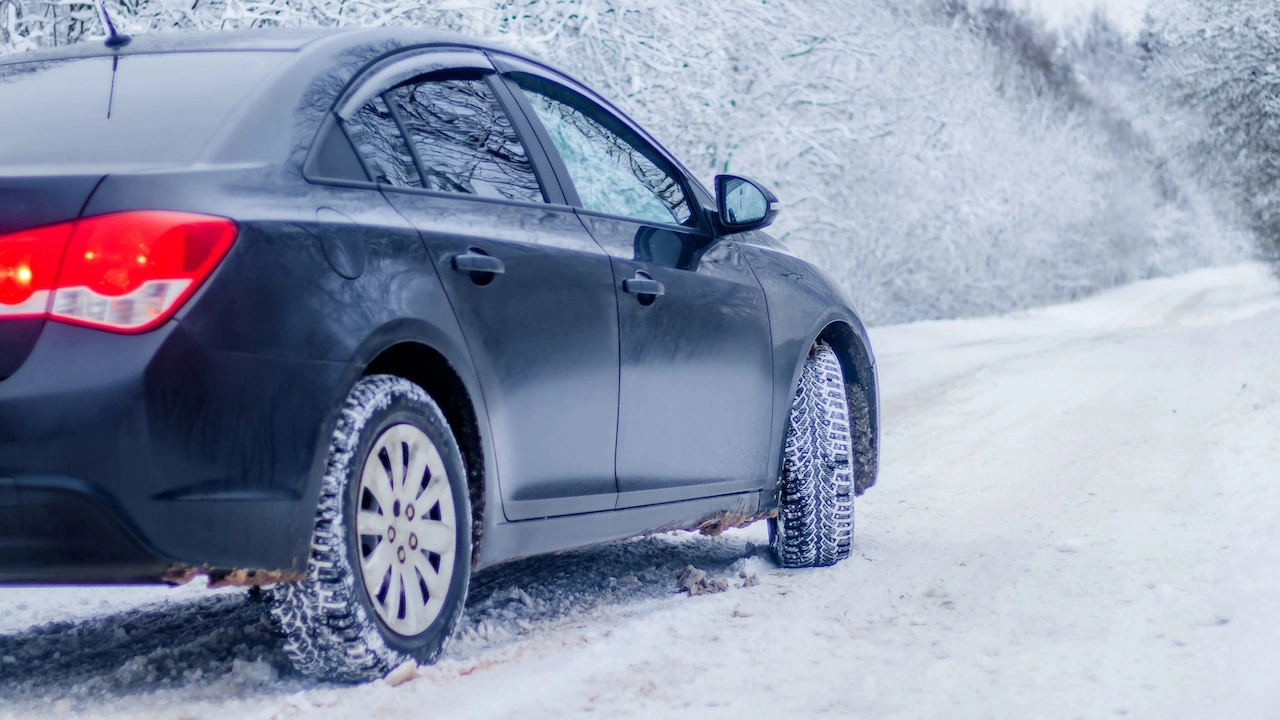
464,140
611,174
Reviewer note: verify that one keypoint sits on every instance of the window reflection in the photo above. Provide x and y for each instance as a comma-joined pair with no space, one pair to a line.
465,141
379,142
661,247
744,203
610,174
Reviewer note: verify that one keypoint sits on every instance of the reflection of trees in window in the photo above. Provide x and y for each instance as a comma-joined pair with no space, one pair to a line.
610,174
465,141
379,142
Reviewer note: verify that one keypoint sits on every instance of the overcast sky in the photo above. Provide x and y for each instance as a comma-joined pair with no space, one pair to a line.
1126,13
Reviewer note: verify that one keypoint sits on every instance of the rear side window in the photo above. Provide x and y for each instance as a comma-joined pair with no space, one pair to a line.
377,137
459,140
162,108
465,141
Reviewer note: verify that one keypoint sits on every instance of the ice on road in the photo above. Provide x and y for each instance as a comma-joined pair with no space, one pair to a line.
1078,515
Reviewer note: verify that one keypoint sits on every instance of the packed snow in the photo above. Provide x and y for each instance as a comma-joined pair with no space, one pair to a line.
1077,516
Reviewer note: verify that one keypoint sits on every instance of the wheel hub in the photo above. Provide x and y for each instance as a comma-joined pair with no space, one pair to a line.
406,556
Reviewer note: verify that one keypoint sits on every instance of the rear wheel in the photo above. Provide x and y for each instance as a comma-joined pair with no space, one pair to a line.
391,553
814,527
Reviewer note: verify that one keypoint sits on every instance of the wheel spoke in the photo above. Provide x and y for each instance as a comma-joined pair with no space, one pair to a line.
418,455
372,480
375,567
393,594
396,441
435,535
437,582
414,602
436,465
436,489
371,523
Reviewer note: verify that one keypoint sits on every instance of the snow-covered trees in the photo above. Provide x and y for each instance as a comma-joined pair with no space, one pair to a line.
1222,61
938,160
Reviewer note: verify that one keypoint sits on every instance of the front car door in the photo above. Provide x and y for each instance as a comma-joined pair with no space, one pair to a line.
532,291
695,388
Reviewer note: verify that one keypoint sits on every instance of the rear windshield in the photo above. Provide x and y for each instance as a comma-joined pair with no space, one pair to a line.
160,108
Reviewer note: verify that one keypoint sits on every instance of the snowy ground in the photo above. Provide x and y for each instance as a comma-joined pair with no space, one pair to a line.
1078,516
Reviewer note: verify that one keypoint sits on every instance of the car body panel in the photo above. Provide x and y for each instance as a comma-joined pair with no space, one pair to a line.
543,338
696,368
803,305
687,433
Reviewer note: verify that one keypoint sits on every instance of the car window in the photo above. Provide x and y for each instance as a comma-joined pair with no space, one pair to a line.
612,174
464,140
378,140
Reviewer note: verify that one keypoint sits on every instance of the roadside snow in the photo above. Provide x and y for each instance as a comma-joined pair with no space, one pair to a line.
1078,516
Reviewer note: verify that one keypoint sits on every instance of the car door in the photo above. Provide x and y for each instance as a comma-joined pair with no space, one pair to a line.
532,291
695,388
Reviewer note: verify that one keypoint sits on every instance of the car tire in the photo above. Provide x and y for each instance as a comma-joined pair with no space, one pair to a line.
369,601
814,526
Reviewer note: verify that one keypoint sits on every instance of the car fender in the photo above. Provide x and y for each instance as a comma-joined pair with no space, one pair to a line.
806,306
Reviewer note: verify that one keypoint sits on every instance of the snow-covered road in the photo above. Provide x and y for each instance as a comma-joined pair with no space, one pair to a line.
1078,516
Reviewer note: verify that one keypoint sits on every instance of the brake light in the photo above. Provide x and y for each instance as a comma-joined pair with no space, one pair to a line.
126,272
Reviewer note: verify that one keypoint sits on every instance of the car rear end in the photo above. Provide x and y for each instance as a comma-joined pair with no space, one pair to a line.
118,396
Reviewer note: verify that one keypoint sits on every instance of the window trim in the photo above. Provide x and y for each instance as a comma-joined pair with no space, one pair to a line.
328,126
398,71
403,66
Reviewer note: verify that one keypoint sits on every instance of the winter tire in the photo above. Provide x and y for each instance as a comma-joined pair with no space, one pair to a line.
814,527
391,551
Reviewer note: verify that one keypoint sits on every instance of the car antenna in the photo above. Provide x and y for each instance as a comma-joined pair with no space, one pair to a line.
115,39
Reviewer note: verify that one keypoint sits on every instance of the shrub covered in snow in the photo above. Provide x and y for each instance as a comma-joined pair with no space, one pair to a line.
1222,60
939,160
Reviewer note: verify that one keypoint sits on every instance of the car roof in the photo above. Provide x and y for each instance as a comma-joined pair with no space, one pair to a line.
261,40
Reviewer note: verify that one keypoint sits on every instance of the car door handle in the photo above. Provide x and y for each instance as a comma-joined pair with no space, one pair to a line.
477,262
644,286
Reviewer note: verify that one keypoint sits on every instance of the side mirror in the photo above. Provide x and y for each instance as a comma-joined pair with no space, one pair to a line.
744,204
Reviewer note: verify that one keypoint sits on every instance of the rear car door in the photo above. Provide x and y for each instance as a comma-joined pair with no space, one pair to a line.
531,289
695,388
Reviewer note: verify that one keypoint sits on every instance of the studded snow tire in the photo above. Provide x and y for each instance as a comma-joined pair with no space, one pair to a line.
330,627
814,527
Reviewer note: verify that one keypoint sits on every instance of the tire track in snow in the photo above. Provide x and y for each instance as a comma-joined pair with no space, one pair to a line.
221,646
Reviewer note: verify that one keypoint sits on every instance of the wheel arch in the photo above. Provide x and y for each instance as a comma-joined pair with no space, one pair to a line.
426,367
861,388
434,360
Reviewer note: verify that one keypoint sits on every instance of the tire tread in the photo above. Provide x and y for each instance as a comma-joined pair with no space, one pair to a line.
814,527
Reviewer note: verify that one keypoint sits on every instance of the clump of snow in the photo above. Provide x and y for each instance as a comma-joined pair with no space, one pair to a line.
251,673
695,582
403,673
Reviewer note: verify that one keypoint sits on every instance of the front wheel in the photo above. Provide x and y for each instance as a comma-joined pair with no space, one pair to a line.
391,551
814,527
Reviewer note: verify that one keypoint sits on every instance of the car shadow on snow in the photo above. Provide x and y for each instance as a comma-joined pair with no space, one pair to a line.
222,645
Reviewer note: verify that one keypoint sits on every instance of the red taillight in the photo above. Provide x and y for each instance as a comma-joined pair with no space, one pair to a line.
29,269
127,271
